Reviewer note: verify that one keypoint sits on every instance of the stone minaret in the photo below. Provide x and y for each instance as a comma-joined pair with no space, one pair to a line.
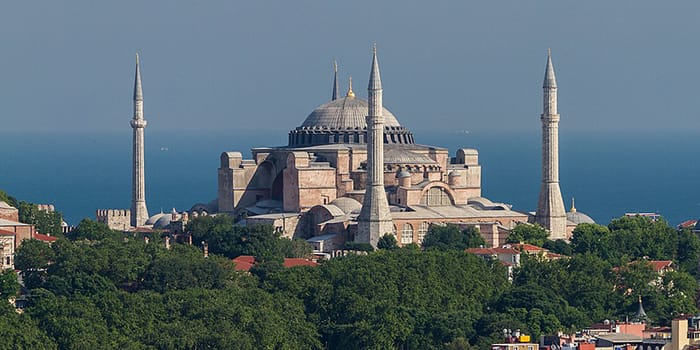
374,219
139,213
335,81
550,208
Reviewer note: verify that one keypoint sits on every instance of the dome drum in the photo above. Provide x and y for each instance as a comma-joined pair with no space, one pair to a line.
305,136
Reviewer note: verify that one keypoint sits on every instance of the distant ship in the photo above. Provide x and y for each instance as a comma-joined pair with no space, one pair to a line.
164,149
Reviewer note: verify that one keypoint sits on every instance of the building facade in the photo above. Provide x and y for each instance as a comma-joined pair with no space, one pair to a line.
336,181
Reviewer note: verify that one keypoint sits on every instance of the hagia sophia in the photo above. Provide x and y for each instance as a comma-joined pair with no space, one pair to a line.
351,172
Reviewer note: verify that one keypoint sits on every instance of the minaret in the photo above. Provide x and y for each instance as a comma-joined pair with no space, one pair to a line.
335,81
550,208
374,220
139,213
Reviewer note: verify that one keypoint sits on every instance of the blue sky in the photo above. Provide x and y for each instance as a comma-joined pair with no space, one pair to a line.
466,65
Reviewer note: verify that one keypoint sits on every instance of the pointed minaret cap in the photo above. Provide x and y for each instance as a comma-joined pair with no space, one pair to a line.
350,93
335,81
375,81
573,204
549,80
138,92
641,315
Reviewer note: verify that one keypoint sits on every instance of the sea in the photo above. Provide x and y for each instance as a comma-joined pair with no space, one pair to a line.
608,173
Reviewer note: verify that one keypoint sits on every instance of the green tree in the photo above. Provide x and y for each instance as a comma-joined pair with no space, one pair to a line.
9,286
4,197
451,236
559,246
93,231
388,241
296,248
47,222
591,238
528,233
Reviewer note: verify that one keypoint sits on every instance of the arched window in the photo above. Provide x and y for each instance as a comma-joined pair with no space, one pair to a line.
422,231
407,234
436,196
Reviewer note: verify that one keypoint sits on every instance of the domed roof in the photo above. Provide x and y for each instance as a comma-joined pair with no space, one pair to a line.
152,220
345,113
163,222
402,156
578,217
347,205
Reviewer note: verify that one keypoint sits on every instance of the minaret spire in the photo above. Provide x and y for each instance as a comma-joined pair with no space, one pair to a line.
550,207
139,212
374,219
335,81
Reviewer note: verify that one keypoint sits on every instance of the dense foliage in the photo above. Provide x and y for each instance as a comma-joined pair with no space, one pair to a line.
100,289
47,222
450,237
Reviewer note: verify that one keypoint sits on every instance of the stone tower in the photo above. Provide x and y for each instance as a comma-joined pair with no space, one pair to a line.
374,219
139,212
550,207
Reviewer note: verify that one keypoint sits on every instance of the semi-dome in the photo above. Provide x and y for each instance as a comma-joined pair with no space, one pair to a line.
347,205
345,113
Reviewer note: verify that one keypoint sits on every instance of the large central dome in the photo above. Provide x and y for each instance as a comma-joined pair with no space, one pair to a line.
342,121
345,113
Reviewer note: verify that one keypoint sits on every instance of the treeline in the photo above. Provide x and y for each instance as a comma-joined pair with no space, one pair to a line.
99,289
46,222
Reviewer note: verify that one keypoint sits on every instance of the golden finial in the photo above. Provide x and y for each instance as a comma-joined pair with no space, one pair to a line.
137,58
374,48
350,93
335,66
573,204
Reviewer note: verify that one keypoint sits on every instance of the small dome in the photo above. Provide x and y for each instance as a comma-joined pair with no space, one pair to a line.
403,174
152,220
454,173
347,205
163,222
345,113
578,217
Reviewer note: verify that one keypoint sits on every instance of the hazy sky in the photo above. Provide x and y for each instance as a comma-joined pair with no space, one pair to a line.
266,64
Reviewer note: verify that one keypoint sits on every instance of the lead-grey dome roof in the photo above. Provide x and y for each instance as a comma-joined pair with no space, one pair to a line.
345,113
578,217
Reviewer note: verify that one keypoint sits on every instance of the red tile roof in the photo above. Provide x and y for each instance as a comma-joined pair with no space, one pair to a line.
245,262
688,223
492,251
6,233
291,262
44,238
480,251
660,265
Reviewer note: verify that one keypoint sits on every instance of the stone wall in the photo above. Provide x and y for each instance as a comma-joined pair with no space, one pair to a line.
116,219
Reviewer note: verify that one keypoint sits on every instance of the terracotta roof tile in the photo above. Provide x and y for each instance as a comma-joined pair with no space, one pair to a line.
44,238
291,262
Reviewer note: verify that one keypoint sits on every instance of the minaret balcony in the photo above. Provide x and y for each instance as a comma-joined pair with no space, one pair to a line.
138,123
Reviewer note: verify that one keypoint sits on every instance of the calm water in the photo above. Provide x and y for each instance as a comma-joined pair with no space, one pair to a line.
608,173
